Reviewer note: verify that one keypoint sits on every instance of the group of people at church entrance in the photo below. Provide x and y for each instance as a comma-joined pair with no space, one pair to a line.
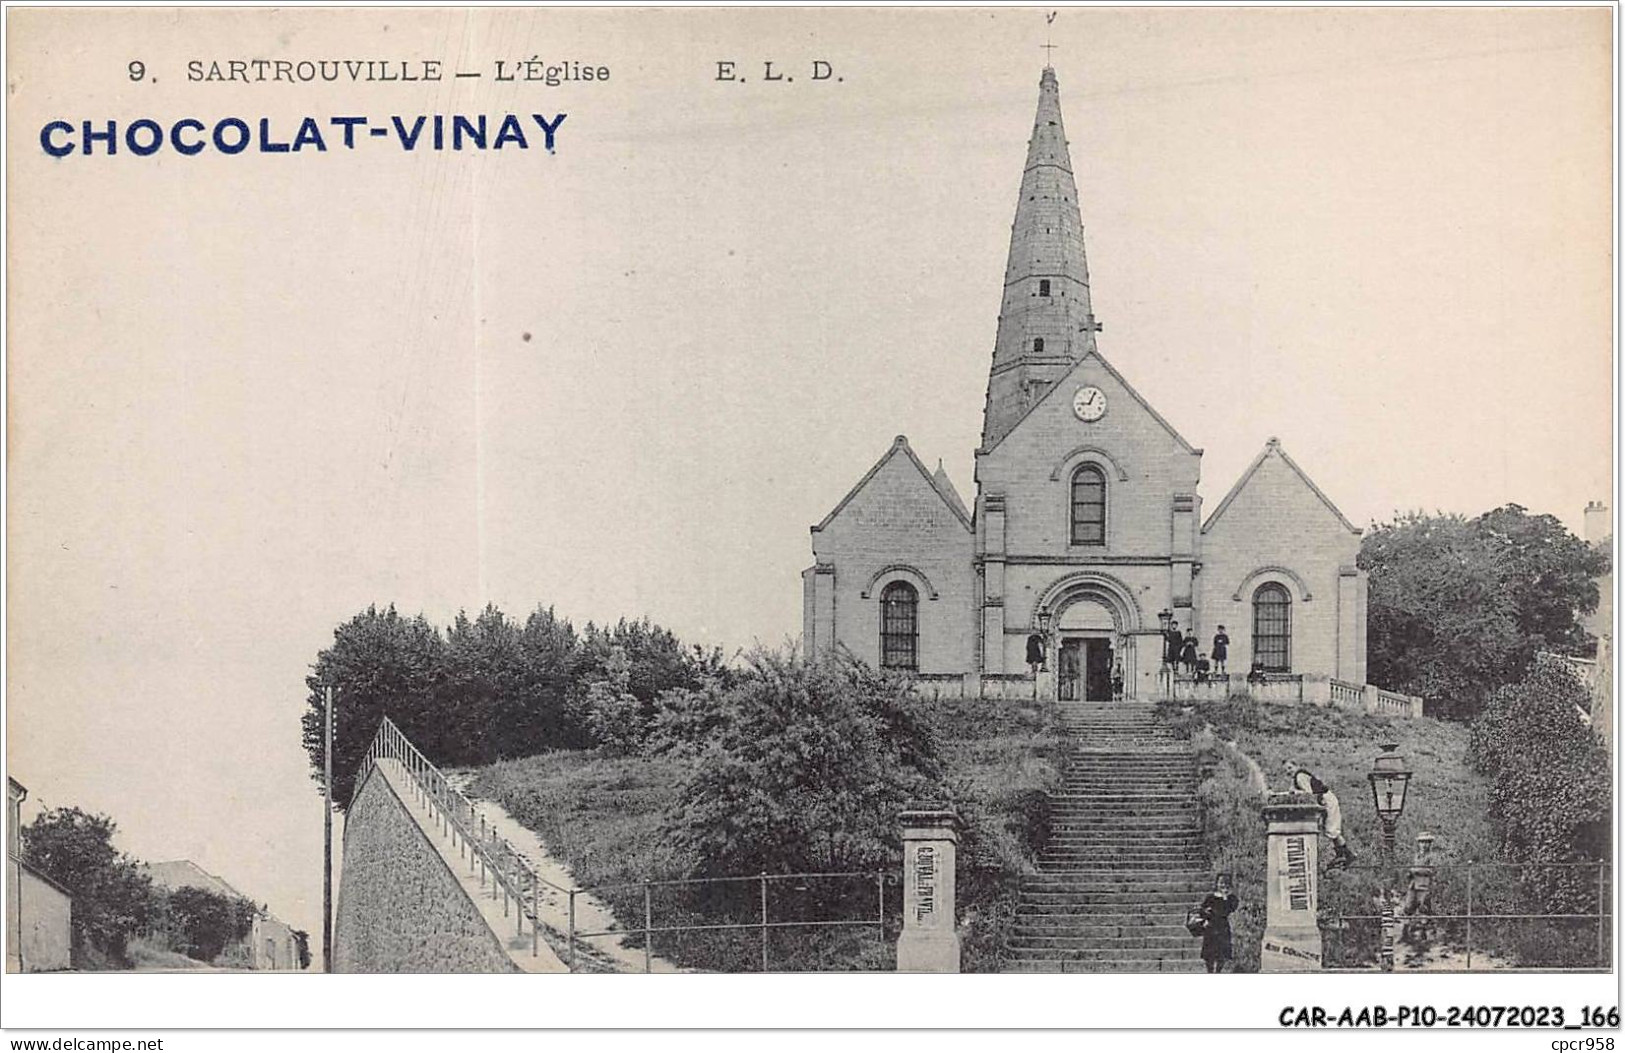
1182,651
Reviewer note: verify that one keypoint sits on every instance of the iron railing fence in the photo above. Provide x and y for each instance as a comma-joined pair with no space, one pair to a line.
1536,916
722,924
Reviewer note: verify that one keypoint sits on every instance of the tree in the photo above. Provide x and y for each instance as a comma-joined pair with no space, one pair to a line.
205,923
112,898
1459,607
380,664
806,768
488,687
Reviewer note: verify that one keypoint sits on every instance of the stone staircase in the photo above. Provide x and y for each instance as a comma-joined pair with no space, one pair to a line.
1124,860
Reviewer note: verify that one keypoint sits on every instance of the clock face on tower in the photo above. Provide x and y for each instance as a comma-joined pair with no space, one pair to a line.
1089,403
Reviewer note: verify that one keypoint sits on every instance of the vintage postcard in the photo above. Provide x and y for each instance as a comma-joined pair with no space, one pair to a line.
1112,495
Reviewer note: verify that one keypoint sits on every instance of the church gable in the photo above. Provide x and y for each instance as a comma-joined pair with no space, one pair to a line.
1274,491
897,495
1125,416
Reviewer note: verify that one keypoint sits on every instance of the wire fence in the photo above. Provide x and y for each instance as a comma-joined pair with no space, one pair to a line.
1478,916
761,923
714,924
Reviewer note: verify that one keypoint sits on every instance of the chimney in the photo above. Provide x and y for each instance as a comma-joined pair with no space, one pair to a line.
1599,526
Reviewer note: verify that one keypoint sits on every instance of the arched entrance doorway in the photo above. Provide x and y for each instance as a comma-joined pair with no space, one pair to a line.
1092,622
1086,632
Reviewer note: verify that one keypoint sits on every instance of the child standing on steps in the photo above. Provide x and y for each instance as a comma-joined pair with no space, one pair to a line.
1216,910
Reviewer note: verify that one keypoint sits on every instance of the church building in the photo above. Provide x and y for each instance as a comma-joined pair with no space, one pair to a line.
1088,536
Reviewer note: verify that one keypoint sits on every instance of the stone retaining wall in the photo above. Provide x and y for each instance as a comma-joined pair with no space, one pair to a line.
400,909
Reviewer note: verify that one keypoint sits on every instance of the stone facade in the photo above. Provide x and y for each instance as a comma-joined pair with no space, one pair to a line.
39,912
400,907
900,523
1087,529
1276,526
39,920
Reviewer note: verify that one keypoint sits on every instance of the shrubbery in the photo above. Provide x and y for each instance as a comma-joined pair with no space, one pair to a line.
804,768
1550,784
202,924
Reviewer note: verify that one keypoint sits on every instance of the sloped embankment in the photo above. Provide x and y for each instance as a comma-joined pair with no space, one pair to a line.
1447,798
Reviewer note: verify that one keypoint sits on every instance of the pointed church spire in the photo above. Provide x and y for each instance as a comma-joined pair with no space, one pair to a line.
1046,322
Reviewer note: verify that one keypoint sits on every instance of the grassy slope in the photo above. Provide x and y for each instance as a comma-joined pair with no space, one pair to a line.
1447,798
603,817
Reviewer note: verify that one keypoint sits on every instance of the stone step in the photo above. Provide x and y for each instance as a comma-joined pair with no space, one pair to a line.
1189,848
1104,792
1067,811
1085,861
1091,875
1050,949
1088,821
1190,851
1184,813
1182,859
1084,929
1107,916
1095,886
1069,807
1111,946
1108,790
1114,901
1128,837
1014,964
1152,850
1118,802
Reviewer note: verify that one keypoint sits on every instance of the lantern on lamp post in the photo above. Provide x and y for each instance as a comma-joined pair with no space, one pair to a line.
1389,781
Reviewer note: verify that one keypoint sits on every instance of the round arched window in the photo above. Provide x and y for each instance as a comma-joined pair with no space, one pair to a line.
1272,627
900,627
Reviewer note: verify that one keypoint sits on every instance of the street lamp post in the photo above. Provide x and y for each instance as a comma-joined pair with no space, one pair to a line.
1165,618
1389,781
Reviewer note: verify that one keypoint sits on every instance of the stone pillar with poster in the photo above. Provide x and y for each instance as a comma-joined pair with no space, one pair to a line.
930,940
1292,875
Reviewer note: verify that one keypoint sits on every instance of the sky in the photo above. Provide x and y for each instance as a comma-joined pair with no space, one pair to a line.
250,395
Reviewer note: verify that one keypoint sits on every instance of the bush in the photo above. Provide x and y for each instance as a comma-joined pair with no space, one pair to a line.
811,762
203,924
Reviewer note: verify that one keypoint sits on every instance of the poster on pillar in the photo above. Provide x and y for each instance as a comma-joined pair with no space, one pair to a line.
776,490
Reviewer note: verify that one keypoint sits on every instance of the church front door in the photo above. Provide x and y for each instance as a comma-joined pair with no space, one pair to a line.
1085,670
1067,682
